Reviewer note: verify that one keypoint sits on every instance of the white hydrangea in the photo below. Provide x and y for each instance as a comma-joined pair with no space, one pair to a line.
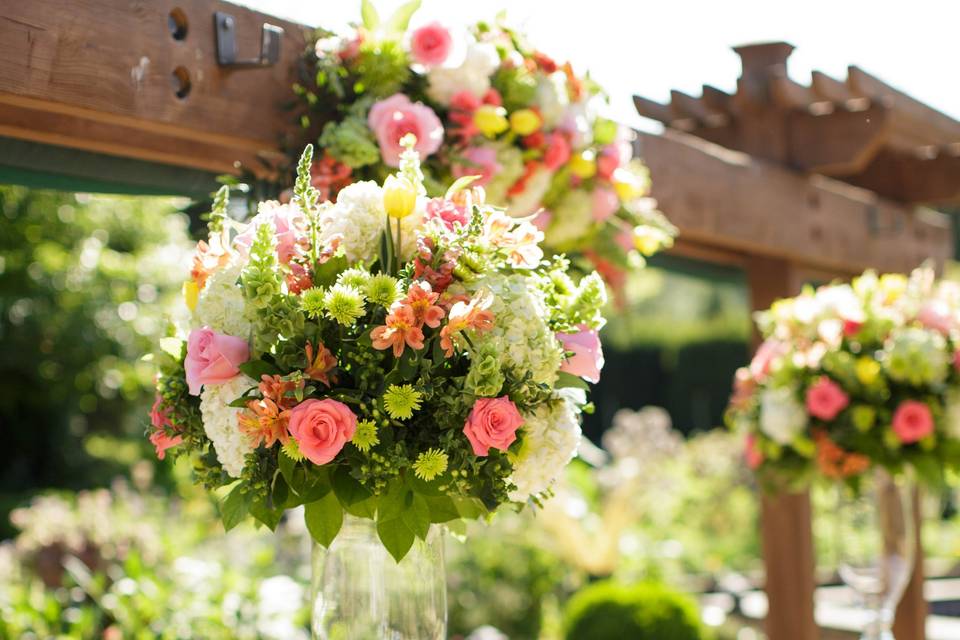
220,422
551,439
572,217
520,333
782,416
473,75
220,305
359,218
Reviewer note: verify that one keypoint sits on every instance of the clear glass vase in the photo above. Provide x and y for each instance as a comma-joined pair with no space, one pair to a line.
359,592
877,549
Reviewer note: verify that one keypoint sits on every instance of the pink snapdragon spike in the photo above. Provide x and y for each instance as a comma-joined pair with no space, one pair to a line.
321,428
825,399
912,421
213,358
587,354
392,118
493,422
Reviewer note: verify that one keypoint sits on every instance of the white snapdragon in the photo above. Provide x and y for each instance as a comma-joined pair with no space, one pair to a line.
473,75
551,438
220,422
782,416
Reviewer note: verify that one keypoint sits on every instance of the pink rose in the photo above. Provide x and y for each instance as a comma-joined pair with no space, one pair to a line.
605,203
752,452
160,420
431,44
213,358
587,358
608,161
394,117
446,212
557,153
493,422
912,421
321,428
480,161
935,315
825,399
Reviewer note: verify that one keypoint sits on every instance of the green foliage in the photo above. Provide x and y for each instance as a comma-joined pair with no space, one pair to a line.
646,611
351,142
382,68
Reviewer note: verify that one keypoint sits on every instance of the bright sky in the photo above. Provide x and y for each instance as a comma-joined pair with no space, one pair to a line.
648,47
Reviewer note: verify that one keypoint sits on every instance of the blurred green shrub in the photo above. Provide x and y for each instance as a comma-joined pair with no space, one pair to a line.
84,285
609,610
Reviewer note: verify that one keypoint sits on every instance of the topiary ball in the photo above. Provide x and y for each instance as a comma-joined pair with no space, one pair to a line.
647,611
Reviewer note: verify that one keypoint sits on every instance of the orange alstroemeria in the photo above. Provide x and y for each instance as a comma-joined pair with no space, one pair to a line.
264,422
422,299
401,330
319,367
834,461
278,390
208,259
466,315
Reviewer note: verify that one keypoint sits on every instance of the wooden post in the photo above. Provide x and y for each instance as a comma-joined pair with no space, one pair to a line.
785,520
910,623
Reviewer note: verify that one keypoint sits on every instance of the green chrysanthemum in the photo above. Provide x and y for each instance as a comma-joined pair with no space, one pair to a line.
401,401
292,450
312,301
344,304
365,435
382,289
430,464
354,277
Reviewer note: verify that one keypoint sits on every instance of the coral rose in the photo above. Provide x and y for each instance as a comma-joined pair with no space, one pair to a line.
493,422
825,399
213,358
394,117
430,45
912,421
321,428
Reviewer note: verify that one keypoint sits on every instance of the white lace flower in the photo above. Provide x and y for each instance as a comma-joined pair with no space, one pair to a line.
221,304
220,422
473,75
551,439
782,416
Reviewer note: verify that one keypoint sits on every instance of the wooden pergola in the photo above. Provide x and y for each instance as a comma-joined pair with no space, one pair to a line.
791,183
800,184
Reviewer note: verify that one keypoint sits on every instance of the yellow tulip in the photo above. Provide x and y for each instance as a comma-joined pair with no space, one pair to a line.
628,185
524,122
491,120
399,197
584,164
648,240
191,292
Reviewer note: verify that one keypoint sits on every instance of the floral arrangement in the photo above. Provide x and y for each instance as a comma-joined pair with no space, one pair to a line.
482,102
850,376
407,359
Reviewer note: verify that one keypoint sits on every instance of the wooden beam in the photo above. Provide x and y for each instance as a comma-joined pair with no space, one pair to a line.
104,76
932,178
838,143
686,106
829,89
742,204
653,110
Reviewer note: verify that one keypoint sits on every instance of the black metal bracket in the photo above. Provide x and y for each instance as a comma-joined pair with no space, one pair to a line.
224,25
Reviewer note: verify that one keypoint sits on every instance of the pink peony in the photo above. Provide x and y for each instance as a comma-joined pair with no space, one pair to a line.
446,212
912,421
480,161
321,428
160,420
825,399
213,358
587,358
430,45
493,422
935,315
394,117
557,153
605,203
752,453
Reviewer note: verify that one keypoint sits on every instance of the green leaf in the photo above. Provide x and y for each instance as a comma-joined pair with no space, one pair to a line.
470,508
288,468
457,528
266,514
371,19
416,515
441,508
366,508
393,501
326,274
280,494
396,536
400,20
459,185
349,491
257,368
324,519
172,347
565,379
235,507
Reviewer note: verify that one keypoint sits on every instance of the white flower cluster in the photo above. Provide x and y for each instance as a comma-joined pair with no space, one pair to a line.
220,422
520,333
221,304
551,437
782,416
473,75
358,217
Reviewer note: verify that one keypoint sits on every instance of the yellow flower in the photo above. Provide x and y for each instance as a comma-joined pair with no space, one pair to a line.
648,240
399,197
491,120
629,185
524,122
191,292
893,285
584,164
868,370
